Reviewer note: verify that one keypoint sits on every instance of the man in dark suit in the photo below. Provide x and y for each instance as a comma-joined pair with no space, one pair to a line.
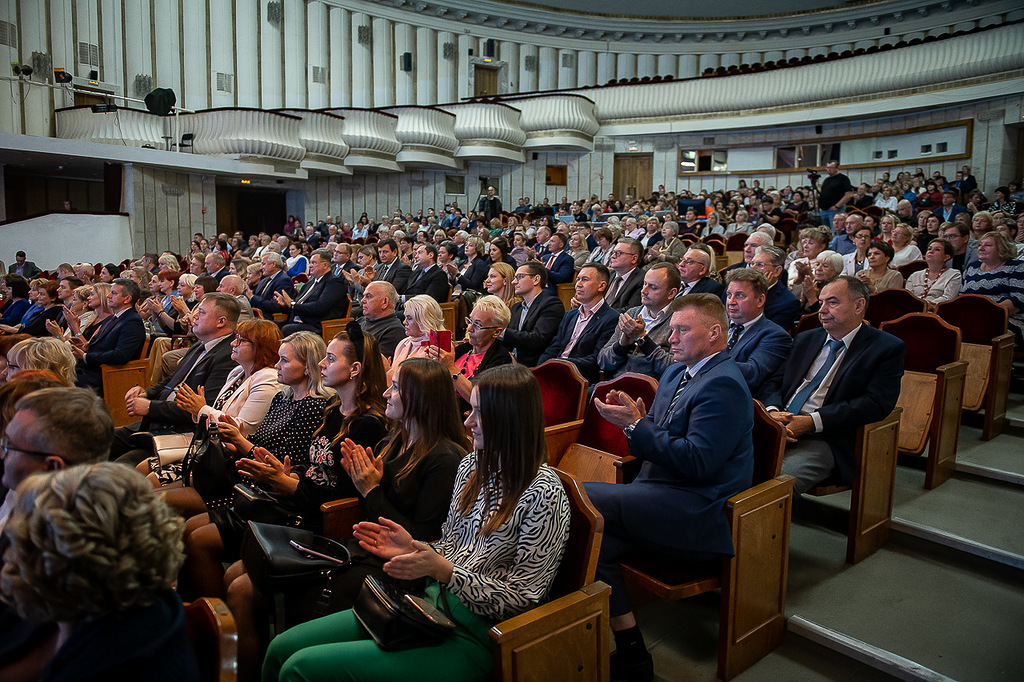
585,329
838,378
204,368
215,265
275,279
696,448
25,268
535,319
758,345
694,269
391,269
949,210
628,279
428,278
118,339
324,297
342,260
560,265
750,246
780,306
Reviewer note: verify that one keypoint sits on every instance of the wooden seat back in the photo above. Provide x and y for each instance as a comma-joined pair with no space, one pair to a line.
116,380
448,313
563,391
769,438
565,293
808,321
586,529
330,328
917,399
211,628
892,304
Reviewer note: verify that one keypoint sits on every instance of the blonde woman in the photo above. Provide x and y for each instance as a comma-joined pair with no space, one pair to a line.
501,283
44,352
422,316
168,263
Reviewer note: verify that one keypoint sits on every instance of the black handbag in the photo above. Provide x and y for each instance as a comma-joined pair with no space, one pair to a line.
207,468
398,620
253,504
277,557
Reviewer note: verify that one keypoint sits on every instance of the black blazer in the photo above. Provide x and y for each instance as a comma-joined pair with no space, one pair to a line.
210,372
476,274
593,338
398,274
37,325
116,341
864,390
628,295
325,302
30,269
263,297
705,285
540,326
781,306
433,282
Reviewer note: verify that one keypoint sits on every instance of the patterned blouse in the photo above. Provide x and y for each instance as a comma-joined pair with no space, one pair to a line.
288,428
1005,283
509,571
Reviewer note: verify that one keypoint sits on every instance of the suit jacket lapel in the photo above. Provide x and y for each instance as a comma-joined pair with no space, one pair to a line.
817,342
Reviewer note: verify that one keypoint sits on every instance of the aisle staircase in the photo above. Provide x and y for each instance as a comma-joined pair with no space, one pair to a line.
943,601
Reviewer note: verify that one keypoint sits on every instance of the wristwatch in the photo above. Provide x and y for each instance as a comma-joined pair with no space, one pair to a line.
629,429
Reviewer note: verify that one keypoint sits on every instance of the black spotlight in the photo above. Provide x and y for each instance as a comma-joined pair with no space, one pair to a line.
61,76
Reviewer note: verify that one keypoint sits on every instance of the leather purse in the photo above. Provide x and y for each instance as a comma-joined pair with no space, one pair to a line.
206,466
398,620
253,504
277,557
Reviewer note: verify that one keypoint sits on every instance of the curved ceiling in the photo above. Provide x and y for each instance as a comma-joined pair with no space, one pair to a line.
687,9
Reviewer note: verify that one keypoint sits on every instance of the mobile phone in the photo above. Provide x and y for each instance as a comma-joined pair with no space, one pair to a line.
313,552
429,611
443,339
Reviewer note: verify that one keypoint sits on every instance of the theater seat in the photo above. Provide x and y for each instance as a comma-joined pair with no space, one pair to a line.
563,390
211,628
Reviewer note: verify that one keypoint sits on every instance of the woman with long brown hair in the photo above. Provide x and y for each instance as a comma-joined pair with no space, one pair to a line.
501,546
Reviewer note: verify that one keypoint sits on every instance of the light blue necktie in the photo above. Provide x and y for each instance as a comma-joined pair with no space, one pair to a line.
797,403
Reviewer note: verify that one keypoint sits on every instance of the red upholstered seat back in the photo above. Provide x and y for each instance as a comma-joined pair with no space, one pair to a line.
601,434
563,391
892,304
931,342
978,317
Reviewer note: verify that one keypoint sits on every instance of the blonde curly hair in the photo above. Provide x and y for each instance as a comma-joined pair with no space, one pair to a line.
86,541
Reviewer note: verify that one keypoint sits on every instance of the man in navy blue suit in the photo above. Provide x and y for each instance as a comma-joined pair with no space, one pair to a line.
696,448
586,329
275,279
694,270
322,298
118,339
838,378
560,264
758,345
950,209
780,306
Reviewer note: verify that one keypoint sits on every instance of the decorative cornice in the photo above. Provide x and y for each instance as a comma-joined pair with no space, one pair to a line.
527,23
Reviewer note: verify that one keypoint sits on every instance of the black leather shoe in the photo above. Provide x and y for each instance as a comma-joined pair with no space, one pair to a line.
633,668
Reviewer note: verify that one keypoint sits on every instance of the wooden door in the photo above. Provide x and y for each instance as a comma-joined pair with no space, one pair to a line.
634,175
485,81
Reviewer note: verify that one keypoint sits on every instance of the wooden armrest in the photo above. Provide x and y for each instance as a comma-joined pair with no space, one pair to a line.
761,494
514,627
559,437
340,516
628,468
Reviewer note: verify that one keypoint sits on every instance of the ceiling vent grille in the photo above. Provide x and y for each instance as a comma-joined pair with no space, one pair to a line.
364,35
530,62
568,61
448,51
88,53
8,34
143,85
225,82
320,74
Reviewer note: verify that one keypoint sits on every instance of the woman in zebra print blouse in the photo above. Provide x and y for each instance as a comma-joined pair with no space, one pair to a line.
497,556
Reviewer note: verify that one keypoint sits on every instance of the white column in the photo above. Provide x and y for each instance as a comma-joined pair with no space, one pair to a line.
405,82
666,65
774,55
247,77
528,76
509,53
221,51
270,91
425,66
383,63
750,58
196,75
318,53
362,61
567,74
605,67
462,66
646,65
547,75
447,85
297,74
798,52
340,40
625,65
586,68
687,67
166,73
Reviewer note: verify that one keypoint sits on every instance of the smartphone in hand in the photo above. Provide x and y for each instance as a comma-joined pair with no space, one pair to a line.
442,339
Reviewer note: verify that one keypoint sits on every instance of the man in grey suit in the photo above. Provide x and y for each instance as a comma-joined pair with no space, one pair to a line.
640,344
25,268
